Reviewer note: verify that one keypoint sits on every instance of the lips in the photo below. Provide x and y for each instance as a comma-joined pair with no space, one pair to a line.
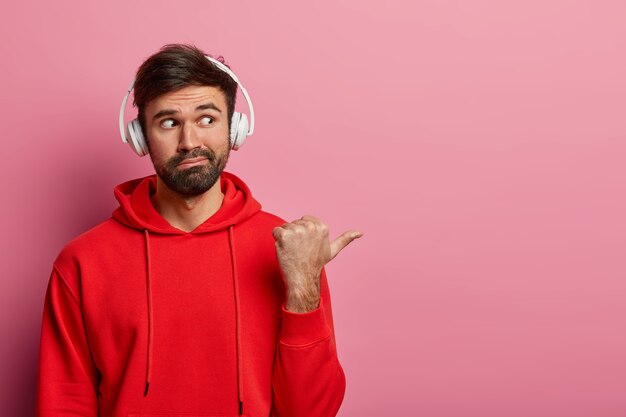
192,161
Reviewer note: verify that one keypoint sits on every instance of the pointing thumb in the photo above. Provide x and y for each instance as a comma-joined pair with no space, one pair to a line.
342,241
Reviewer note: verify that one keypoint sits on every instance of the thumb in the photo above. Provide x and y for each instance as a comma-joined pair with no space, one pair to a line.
342,241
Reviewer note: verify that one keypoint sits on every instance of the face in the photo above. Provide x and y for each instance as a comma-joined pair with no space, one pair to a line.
188,137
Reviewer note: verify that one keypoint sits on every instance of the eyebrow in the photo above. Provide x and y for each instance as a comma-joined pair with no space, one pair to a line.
169,112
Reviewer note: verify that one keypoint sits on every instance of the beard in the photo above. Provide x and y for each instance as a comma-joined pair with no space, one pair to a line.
194,180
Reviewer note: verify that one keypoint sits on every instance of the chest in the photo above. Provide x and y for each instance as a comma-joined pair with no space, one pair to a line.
195,287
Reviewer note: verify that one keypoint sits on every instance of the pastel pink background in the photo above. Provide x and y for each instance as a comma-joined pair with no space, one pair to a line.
479,144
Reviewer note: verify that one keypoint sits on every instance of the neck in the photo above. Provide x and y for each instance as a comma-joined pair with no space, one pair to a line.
185,212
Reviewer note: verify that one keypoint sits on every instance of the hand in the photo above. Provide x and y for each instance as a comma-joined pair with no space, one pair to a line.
303,248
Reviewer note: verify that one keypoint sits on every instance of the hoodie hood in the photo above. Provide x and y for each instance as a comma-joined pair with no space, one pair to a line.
136,209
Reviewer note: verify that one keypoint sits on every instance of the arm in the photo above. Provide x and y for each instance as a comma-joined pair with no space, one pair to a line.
308,379
67,377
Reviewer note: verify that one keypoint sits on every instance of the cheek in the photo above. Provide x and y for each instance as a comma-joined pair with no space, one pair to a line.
158,155
161,145
217,138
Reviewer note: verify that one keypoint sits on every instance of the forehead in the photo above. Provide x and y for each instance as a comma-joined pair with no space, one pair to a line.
188,98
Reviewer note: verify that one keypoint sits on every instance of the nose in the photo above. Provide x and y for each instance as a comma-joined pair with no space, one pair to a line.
188,139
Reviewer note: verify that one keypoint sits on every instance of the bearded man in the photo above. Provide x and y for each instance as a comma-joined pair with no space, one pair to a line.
190,300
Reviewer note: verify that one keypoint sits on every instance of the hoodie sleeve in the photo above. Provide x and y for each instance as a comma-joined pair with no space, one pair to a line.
67,376
308,380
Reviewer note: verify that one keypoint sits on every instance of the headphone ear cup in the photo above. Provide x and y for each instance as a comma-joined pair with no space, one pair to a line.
239,128
234,122
135,137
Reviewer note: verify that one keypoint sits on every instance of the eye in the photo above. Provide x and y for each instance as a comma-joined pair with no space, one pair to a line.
205,120
168,123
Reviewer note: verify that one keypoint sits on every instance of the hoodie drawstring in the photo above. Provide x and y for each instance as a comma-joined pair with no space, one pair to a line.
149,296
231,241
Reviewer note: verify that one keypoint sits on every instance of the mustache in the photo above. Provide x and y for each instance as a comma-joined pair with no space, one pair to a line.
195,153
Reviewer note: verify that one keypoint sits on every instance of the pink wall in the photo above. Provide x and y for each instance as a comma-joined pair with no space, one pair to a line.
479,144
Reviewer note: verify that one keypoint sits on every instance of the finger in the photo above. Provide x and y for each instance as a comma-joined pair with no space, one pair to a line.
310,218
308,223
342,241
277,232
301,222
290,225
295,225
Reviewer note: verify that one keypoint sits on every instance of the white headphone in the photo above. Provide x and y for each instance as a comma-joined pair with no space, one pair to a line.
133,135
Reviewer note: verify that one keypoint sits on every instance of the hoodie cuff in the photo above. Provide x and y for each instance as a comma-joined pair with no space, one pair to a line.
301,329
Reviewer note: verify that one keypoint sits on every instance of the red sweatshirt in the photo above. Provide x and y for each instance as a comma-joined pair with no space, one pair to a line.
143,319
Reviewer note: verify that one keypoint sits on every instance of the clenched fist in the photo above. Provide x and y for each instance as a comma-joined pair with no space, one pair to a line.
303,248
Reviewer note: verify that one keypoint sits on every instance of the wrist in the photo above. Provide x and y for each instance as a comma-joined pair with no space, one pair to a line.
303,299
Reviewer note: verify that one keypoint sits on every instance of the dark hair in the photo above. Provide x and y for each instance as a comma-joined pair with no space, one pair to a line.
176,66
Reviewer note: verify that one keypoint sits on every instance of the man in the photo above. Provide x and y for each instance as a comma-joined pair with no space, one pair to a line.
190,300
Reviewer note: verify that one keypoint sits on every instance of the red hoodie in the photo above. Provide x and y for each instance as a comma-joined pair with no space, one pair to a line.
143,320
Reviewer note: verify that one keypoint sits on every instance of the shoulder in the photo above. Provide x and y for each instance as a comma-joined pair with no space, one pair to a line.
90,244
269,219
257,230
262,220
